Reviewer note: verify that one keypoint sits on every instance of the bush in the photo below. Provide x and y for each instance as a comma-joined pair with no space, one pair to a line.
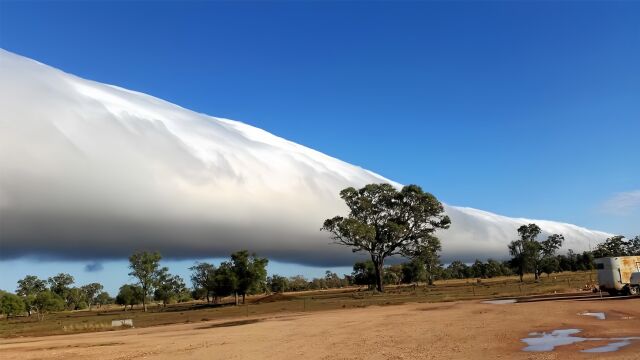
11,305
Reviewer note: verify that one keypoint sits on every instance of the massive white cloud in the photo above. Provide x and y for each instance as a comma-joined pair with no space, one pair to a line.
89,171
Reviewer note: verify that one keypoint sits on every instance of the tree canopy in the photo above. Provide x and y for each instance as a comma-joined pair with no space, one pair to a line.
250,271
530,255
145,266
384,222
618,246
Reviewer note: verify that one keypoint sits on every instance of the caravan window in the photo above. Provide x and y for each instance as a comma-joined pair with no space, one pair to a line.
600,266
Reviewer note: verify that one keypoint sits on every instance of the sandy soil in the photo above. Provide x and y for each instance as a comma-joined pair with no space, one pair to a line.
461,330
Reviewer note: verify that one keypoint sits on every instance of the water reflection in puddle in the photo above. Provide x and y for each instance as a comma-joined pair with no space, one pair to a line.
500,302
597,315
549,341
614,346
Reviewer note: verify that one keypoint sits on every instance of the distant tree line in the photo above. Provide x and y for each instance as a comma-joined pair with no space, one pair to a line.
37,296
243,274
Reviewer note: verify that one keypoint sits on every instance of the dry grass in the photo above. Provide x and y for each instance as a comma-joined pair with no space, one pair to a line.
450,290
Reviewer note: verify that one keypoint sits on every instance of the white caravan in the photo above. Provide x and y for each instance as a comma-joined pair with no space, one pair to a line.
615,273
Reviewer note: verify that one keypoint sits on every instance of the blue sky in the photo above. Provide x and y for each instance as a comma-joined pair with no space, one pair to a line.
526,109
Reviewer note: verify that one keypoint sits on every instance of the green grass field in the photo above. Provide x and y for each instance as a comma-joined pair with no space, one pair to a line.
280,304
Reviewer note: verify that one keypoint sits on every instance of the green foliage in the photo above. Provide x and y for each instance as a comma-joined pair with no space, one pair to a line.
60,283
364,273
169,287
413,271
28,288
458,270
392,275
298,283
277,283
11,305
90,292
46,302
529,255
202,278
250,271
129,295
145,266
225,280
427,253
30,285
103,298
75,299
618,246
384,221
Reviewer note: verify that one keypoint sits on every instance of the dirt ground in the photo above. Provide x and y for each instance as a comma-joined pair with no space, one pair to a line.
457,330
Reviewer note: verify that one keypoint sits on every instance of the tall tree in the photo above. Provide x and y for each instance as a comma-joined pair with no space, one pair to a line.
91,292
544,258
75,299
169,287
530,254
251,272
60,283
129,295
384,222
524,250
428,254
28,288
225,281
202,275
145,266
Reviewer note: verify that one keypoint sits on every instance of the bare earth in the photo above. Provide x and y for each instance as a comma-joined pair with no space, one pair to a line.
460,330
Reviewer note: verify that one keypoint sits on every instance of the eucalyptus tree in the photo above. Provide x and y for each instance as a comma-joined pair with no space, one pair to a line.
384,221
145,266
28,288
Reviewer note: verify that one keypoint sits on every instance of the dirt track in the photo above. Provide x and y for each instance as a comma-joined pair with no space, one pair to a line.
462,330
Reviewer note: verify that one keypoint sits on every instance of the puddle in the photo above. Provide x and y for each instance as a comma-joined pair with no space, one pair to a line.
500,302
549,341
614,346
597,315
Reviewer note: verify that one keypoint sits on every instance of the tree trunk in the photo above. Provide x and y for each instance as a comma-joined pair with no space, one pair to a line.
236,295
243,297
378,264
521,277
208,297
